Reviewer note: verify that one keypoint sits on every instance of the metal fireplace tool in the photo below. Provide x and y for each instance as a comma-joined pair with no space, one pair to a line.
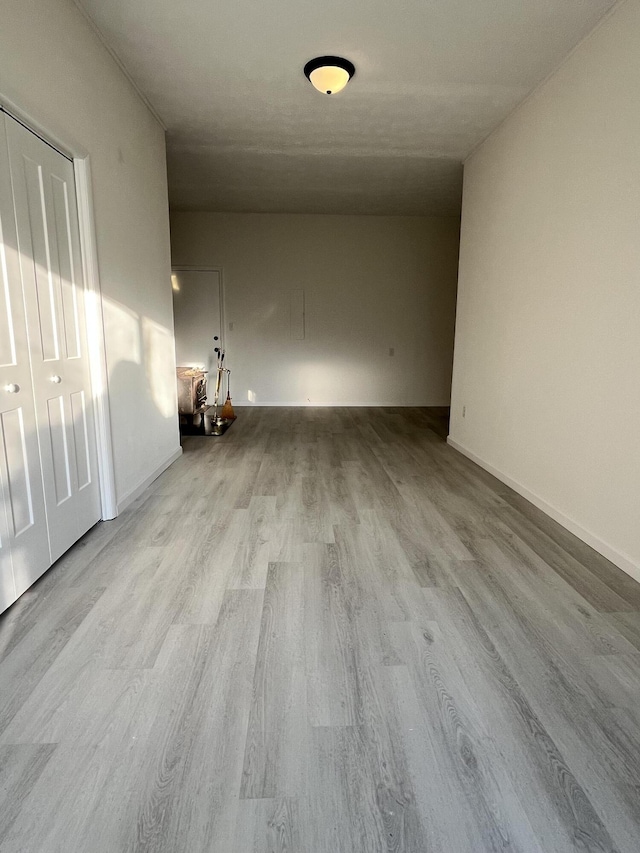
218,424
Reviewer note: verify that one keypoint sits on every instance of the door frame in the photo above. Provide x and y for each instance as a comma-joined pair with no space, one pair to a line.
93,301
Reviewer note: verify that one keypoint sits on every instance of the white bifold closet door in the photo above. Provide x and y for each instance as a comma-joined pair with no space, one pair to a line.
24,541
48,470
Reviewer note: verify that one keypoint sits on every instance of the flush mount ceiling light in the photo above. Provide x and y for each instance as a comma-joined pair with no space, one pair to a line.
329,74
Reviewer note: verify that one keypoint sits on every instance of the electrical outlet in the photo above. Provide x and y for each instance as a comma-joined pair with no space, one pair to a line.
392,351
464,411
231,327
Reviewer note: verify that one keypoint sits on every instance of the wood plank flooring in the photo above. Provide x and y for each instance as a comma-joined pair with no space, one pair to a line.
325,632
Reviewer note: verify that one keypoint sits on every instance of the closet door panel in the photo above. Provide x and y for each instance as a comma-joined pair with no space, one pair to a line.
7,332
48,235
16,464
81,439
59,449
24,545
27,530
71,326
36,255
7,580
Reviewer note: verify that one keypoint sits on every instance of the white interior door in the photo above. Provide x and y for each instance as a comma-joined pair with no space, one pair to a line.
24,544
196,317
49,249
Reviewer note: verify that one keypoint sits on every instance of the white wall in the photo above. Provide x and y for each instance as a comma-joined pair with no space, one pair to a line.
547,356
54,68
370,283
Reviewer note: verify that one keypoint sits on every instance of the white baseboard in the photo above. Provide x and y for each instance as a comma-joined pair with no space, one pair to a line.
619,559
376,404
131,496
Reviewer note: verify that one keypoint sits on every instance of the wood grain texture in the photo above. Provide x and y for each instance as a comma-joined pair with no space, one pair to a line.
276,761
325,632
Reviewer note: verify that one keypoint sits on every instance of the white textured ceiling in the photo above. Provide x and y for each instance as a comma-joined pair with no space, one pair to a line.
247,132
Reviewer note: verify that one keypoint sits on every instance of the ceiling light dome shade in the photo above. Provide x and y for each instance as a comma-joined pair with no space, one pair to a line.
329,74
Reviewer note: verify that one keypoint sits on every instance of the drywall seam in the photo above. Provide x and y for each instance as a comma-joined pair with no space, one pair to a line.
618,558
135,493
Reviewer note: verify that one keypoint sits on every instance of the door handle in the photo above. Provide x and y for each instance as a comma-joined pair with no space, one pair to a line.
56,379
12,388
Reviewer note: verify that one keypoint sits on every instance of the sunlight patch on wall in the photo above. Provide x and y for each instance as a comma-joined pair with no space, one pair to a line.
122,331
159,361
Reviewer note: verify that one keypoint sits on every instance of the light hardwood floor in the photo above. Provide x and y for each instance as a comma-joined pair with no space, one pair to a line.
325,632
